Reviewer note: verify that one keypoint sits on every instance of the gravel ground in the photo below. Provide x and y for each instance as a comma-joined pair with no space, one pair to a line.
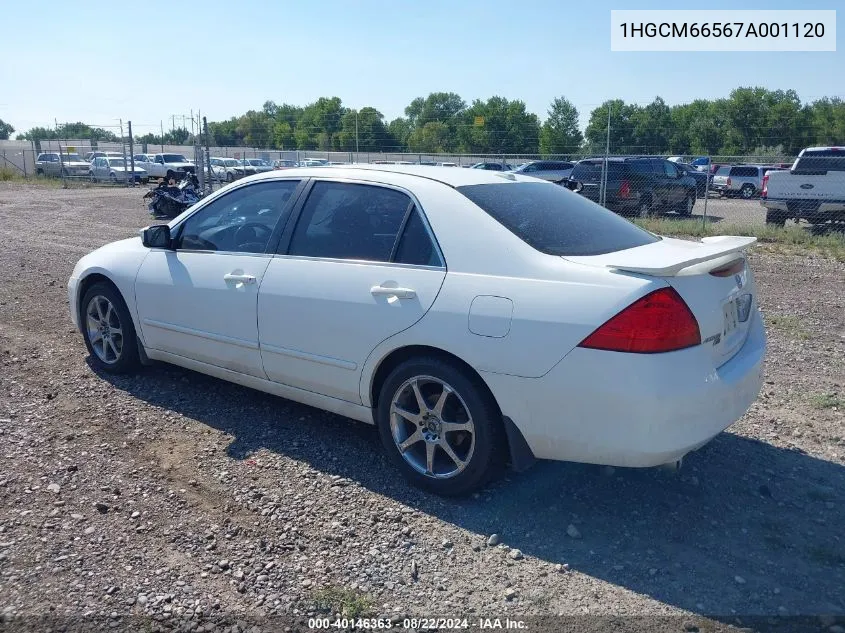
175,498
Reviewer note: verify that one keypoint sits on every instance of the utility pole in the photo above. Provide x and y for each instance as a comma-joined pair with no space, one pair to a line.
131,154
161,123
172,122
606,153
123,151
356,135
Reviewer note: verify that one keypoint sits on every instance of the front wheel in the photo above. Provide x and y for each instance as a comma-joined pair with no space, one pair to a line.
108,330
747,191
644,210
440,427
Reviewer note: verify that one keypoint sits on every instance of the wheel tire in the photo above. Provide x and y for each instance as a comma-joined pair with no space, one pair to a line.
113,178
484,455
645,209
91,176
230,177
170,174
775,217
65,173
104,357
685,208
39,172
747,191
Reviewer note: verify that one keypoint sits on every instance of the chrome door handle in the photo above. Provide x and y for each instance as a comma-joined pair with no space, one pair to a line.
244,279
401,293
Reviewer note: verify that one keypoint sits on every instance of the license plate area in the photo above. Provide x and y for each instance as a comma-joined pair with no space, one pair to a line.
731,314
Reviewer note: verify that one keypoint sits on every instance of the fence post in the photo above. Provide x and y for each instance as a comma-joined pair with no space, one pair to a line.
131,154
707,191
207,155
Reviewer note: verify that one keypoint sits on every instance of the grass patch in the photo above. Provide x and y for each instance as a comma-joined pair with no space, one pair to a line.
826,401
344,601
791,239
788,324
7,174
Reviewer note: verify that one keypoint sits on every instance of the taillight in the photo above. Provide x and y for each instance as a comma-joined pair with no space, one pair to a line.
657,322
765,188
625,189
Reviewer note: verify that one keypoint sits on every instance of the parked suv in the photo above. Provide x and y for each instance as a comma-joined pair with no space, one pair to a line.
554,170
745,181
635,185
49,164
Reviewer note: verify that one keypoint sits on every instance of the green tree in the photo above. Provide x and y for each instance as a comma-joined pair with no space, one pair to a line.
372,133
652,127
560,133
400,130
433,137
6,130
499,126
622,139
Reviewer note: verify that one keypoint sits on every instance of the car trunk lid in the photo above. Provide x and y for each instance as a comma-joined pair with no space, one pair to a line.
711,276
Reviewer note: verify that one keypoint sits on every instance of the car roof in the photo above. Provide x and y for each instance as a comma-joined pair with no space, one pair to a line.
446,175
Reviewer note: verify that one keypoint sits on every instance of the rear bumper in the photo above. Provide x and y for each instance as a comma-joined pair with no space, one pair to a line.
633,410
805,208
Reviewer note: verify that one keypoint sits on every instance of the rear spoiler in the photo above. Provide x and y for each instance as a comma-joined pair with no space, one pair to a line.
669,256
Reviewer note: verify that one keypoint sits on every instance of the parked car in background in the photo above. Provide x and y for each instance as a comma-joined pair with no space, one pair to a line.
116,170
700,177
283,164
649,346
260,165
813,189
447,164
64,166
315,162
428,163
638,186
744,181
551,170
90,156
169,166
492,166
700,163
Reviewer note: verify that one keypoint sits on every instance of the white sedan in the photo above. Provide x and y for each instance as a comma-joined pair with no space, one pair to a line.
115,169
475,317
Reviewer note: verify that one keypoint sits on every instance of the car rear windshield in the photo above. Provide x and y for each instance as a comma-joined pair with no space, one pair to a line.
556,221
814,162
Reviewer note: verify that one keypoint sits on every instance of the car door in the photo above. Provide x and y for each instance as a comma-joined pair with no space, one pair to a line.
359,266
199,300
674,190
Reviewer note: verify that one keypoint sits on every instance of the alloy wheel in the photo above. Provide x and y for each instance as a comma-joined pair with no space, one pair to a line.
104,329
432,427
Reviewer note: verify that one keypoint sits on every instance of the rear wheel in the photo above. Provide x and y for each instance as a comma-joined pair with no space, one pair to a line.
685,208
440,427
747,191
644,210
91,176
775,217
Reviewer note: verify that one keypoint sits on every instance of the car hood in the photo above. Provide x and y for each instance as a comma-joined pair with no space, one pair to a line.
179,164
76,163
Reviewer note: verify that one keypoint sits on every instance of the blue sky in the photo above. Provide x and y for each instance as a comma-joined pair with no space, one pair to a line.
80,61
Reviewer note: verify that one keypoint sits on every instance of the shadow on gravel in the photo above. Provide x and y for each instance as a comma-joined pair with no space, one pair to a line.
745,528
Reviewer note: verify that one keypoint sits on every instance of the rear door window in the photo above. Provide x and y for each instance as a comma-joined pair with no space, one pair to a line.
591,170
556,221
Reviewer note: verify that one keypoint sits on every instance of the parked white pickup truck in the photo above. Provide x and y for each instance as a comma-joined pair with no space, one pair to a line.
167,165
813,189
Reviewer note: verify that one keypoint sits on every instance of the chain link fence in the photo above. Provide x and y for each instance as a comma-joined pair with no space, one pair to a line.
733,190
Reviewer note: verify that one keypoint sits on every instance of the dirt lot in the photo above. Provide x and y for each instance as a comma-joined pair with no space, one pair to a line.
183,498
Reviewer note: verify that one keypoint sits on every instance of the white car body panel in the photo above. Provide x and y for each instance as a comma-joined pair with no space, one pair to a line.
310,329
188,308
295,297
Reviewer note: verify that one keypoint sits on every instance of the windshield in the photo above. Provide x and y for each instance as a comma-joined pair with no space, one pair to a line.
556,221
117,162
230,162
175,158
257,162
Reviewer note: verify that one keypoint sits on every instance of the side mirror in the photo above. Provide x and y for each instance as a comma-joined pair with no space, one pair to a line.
156,236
